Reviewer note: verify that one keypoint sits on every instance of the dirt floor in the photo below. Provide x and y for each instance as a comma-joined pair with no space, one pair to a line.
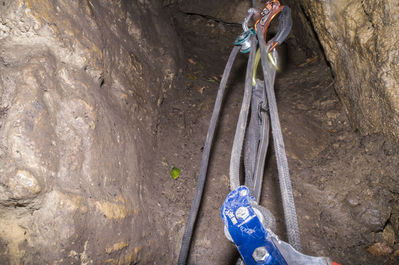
345,184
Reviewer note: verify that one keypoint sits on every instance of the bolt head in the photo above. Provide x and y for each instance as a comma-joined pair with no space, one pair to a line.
260,254
243,193
242,213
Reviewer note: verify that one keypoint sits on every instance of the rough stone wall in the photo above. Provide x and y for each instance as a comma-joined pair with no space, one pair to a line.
80,82
361,42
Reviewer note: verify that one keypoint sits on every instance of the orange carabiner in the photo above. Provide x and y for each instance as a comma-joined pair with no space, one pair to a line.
270,11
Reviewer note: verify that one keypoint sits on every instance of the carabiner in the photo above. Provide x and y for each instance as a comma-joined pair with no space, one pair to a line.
271,10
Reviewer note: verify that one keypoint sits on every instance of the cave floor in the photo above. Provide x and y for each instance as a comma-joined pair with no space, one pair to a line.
344,183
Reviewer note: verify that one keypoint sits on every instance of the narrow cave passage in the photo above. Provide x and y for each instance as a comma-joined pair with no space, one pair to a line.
99,100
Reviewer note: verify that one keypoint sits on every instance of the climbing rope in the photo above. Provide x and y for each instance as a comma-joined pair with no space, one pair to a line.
269,73
186,241
247,42
247,224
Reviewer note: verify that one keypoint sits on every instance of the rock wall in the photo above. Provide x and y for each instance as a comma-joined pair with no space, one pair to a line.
360,40
80,82
227,11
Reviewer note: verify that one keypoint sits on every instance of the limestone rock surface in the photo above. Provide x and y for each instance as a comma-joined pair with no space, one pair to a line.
80,82
361,41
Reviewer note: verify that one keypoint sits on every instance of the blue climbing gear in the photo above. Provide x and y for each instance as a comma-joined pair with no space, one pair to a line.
257,244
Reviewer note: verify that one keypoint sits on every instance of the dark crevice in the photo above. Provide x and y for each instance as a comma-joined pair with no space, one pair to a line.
316,37
211,18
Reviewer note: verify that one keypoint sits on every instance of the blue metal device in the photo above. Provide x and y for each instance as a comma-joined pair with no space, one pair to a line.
256,244
246,230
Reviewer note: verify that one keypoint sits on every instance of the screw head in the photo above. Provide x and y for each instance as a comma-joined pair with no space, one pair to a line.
260,254
242,213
